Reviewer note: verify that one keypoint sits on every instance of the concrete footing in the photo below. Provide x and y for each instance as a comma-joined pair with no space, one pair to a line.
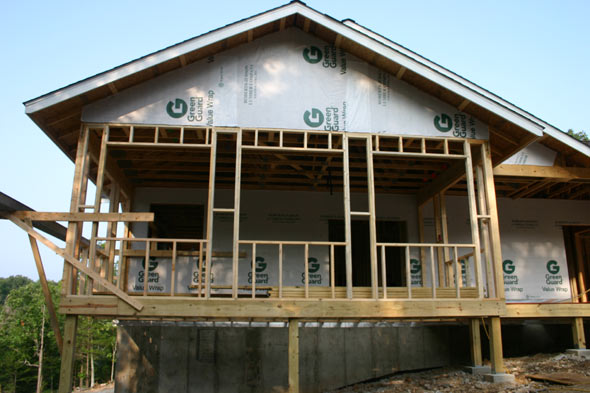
585,353
499,378
478,370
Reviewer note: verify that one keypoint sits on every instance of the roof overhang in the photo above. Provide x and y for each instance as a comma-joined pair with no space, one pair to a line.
58,113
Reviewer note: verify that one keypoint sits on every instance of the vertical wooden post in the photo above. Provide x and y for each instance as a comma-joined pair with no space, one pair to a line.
497,357
347,221
210,206
578,333
473,217
66,287
293,356
490,190
438,234
236,237
421,240
372,217
445,237
484,224
66,372
475,342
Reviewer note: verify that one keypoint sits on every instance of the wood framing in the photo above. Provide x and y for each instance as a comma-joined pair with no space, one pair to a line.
293,350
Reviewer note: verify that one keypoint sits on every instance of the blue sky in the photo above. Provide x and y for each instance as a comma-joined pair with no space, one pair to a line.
535,54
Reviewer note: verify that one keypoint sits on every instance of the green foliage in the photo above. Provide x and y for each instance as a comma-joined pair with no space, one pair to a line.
10,283
21,317
579,135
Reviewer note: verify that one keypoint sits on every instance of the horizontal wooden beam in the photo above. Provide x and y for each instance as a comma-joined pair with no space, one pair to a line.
547,310
553,172
191,307
93,217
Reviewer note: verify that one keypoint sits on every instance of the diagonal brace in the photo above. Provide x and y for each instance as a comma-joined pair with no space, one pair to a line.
75,263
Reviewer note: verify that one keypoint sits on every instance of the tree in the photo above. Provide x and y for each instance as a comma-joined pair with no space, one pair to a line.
10,283
29,351
579,135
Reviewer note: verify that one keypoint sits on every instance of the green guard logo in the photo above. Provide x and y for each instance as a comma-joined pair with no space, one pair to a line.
415,266
176,109
508,266
260,265
552,267
313,118
312,55
443,123
313,266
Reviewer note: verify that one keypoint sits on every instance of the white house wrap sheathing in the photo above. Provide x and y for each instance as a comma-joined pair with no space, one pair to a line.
535,266
286,80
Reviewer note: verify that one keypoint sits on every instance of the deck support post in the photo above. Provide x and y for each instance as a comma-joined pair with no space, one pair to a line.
496,355
578,333
293,356
66,372
475,342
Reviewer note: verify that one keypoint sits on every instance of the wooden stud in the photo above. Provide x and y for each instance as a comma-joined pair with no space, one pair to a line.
210,207
433,272
421,240
475,342
473,218
578,333
236,229
490,192
332,281
347,220
253,267
445,234
293,349
280,271
146,271
497,357
438,233
484,225
173,271
81,154
372,217
457,272
383,272
306,269
408,273
66,372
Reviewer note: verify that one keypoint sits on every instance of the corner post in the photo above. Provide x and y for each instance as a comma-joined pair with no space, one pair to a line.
496,354
293,356
475,343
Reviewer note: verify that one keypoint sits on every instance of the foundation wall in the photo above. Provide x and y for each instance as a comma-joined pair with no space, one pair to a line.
242,359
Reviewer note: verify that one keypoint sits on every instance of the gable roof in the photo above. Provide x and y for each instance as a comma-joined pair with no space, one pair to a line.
58,113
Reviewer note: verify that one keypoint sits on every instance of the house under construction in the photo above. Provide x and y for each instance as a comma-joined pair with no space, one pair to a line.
295,203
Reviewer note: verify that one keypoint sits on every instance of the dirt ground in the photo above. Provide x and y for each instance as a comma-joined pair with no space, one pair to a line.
457,381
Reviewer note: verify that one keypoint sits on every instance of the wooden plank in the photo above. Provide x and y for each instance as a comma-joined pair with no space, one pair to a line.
66,372
246,308
421,240
438,234
74,262
210,207
581,267
71,234
84,217
497,357
548,310
347,220
554,172
490,193
473,217
293,350
46,292
236,227
372,216
484,227
475,342
578,333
